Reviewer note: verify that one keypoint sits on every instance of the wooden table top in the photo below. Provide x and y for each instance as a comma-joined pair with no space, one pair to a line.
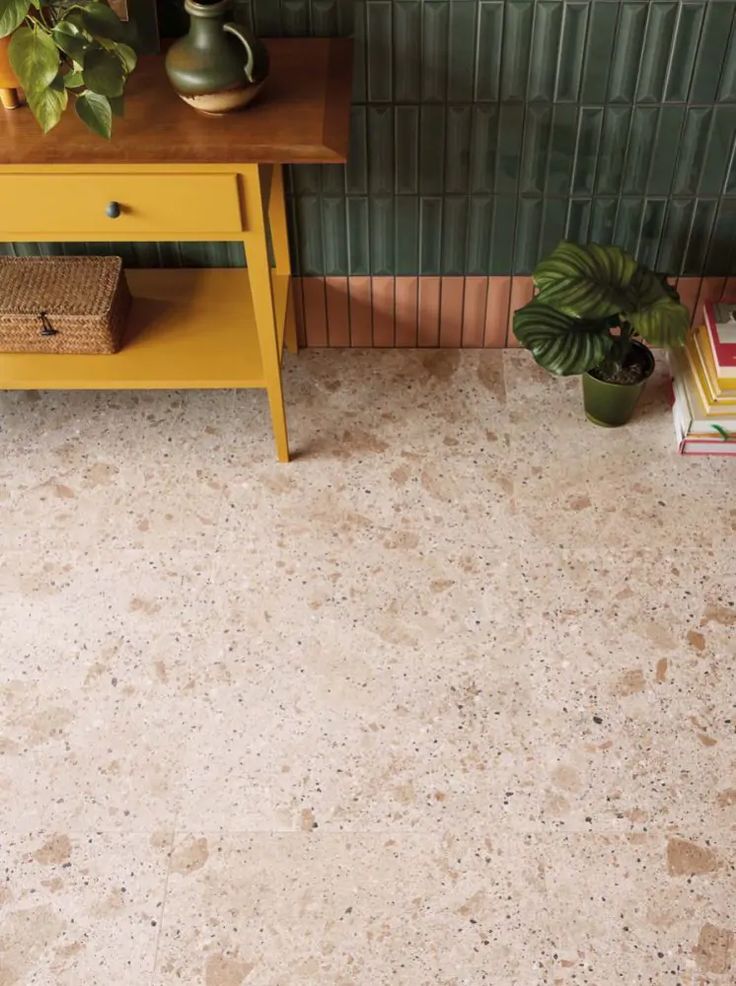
301,115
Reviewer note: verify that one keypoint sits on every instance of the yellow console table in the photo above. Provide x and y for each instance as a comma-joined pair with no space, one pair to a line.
172,174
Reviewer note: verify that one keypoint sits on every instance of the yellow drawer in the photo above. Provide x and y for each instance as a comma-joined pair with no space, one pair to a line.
58,204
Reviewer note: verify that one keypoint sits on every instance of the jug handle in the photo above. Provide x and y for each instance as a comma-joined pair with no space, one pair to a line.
240,34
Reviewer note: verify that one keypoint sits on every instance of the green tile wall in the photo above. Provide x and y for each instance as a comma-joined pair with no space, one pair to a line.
485,130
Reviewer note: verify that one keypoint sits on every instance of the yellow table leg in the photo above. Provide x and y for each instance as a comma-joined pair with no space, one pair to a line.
280,242
259,273
9,99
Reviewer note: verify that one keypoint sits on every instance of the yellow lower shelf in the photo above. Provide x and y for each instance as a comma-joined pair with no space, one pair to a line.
187,328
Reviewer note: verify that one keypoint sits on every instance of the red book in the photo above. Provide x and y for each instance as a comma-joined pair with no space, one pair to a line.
720,320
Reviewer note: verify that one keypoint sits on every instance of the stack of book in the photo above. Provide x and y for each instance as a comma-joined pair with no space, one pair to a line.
704,385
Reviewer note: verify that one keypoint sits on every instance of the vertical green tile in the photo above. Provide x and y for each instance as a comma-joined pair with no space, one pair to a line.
590,128
602,220
406,140
578,220
484,147
432,149
560,155
714,40
359,52
407,30
334,235
640,148
309,217
382,234
554,217
295,17
333,179
650,236
454,234
358,236
537,133
675,237
307,179
508,155
684,51
407,235
458,149
324,21
502,240
627,52
599,50
545,50
517,31
667,141
614,140
727,88
357,166
656,52
721,257
692,150
380,53
435,26
718,151
380,150
528,230
704,215
628,223
490,47
462,51
572,51
480,231
345,18
267,18
430,235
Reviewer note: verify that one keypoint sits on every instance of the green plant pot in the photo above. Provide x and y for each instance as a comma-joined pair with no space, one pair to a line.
612,404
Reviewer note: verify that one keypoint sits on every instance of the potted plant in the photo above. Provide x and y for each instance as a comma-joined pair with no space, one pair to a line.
594,308
60,49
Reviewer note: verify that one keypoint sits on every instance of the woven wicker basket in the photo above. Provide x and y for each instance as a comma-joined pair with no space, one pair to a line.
62,304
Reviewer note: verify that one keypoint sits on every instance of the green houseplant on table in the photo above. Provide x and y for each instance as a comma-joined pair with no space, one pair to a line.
594,309
60,49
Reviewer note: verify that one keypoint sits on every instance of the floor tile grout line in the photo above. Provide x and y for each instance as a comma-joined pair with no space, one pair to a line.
161,917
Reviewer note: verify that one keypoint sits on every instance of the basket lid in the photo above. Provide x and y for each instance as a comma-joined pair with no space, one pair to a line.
59,285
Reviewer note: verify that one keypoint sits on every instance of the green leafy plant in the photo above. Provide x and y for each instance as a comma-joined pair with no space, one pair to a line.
67,48
592,303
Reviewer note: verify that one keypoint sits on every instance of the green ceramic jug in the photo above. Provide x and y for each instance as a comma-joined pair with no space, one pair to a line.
218,66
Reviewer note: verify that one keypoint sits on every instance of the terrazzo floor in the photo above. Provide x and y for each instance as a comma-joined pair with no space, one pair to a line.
448,701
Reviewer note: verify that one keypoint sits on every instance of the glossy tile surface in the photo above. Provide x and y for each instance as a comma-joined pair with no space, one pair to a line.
449,699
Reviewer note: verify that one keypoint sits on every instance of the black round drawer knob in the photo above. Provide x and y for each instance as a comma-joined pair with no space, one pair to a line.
113,210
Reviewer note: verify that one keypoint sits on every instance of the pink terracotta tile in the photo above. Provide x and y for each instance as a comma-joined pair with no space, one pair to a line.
338,311
451,312
298,301
429,311
406,302
711,289
315,311
497,312
361,316
383,311
522,291
689,288
474,311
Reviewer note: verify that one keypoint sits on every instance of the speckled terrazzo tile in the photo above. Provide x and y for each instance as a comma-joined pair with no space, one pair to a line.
80,909
654,908
365,911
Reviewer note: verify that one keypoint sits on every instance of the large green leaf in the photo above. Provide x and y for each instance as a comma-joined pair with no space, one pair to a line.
94,110
103,72
35,59
663,323
48,105
590,281
127,56
71,41
560,343
12,13
102,22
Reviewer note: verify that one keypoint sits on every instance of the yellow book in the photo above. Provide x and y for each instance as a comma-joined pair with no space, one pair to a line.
718,384
711,399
